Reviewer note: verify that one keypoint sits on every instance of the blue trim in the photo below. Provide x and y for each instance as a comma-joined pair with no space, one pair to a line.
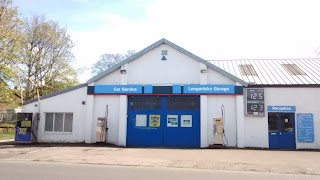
176,89
118,89
148,89
208,89
186,89
281,108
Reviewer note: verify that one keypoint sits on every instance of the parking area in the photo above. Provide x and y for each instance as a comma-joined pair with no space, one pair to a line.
290,162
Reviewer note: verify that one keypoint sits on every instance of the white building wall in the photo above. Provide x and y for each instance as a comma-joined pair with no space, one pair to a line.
177,69
110,79
113,116
216,78
306,100
67,102
230,118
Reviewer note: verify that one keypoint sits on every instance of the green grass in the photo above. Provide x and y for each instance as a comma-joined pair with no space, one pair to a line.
7,131
5,136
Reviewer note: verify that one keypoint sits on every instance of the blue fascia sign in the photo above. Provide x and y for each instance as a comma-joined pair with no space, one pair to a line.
208,89
118,89
281,108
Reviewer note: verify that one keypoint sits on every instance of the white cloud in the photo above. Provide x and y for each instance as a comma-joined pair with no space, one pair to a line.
211,29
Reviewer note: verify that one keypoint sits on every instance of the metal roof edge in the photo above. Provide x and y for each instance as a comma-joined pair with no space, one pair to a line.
265,59
284,86
210,65
128,60
56,93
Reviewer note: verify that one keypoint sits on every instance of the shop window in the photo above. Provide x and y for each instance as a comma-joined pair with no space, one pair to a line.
183,103
145,103
286,123
58,122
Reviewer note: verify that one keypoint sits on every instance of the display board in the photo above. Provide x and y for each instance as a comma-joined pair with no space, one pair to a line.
305,127
255,102
23,127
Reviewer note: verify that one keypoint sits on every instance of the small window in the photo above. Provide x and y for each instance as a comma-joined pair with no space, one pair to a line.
183,103
247,70
48,122
144,103
273,122
68,122
293,69
58,122
164,52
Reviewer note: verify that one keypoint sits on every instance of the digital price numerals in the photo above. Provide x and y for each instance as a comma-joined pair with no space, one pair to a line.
255,102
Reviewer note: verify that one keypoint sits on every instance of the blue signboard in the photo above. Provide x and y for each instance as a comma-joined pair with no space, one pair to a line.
281,108
305,127
118,89
208,89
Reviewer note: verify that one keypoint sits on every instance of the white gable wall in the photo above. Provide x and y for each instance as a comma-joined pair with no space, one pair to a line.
111,79
177,69
217,78
70,102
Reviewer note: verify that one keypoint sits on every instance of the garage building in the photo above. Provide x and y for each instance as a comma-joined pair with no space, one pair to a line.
165,96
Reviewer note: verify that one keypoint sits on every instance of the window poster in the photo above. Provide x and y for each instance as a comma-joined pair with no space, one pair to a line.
186,120
154,120
172,120
141,120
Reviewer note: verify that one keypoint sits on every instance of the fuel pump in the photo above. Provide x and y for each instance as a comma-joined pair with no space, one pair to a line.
218,129
102,128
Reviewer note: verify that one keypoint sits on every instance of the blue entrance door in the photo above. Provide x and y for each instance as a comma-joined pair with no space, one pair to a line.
281,131
163,121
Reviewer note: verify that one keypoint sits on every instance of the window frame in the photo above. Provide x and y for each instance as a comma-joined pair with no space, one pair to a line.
54,120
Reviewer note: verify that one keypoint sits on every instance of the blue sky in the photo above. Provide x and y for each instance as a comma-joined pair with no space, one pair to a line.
211,29
82,14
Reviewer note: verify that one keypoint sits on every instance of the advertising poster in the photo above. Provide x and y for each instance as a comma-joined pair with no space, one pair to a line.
141,120
172,120
186,120
305,128
154,120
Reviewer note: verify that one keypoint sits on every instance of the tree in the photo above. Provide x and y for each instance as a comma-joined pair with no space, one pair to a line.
108,60
46,60
10,41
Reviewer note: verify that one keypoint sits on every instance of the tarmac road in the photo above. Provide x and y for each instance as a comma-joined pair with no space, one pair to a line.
17,170
241,161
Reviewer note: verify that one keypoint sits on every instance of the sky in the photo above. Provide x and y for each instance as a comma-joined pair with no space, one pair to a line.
211,29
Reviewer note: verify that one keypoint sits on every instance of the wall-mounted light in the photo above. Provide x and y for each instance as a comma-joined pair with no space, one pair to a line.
203,70
123,71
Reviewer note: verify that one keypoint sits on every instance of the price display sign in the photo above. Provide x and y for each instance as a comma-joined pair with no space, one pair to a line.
255,102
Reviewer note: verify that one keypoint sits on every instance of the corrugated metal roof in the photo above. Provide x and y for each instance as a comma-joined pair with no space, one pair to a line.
274,71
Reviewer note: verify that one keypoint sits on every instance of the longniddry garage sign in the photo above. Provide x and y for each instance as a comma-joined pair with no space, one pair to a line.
175,89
